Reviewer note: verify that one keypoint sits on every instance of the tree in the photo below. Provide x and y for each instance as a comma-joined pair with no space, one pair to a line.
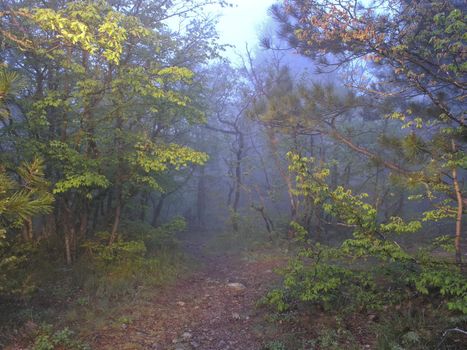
109,92
415,65
228,117
23,194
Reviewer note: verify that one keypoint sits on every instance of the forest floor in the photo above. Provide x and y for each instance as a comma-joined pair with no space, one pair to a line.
213,308
212,301
214,304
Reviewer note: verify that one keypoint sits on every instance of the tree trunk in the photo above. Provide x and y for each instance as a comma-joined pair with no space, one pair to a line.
28,233
268,222
286,177
334,176
201,199
84,220
347,172
109,203
95,215
229,195
238,180
118,212
69,259
50,225
158,210
144,203
460,211
68,229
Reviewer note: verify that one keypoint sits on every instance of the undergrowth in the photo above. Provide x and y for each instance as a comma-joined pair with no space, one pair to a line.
417,298
92,290
48,339
391,299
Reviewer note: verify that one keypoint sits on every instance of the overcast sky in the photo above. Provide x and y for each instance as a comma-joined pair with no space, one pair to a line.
240,24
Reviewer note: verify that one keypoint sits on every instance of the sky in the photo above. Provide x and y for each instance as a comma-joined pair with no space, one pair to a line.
240,24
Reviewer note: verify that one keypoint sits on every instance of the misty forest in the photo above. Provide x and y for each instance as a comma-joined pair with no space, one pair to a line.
305,192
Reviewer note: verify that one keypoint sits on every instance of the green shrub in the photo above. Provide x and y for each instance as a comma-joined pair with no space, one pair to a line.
416,328
275,345
154,238
334,339
48,339
370,270
314,277
15,275
143,255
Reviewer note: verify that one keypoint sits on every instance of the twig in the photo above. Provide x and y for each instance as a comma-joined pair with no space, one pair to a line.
446,332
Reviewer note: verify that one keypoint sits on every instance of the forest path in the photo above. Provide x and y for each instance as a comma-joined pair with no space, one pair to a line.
201,311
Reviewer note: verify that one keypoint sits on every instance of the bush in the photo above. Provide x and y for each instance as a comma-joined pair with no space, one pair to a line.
154,238
143,255
370,270
275,345
418,328
325,277
315,278
47,339
15,277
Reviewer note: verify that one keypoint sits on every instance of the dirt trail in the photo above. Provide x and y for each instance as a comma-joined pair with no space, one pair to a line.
200,311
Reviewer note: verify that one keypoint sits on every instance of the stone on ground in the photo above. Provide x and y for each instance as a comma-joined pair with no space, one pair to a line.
237,287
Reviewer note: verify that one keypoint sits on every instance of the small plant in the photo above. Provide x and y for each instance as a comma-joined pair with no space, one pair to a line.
47,339
275,345
124,320
82,301
418,328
